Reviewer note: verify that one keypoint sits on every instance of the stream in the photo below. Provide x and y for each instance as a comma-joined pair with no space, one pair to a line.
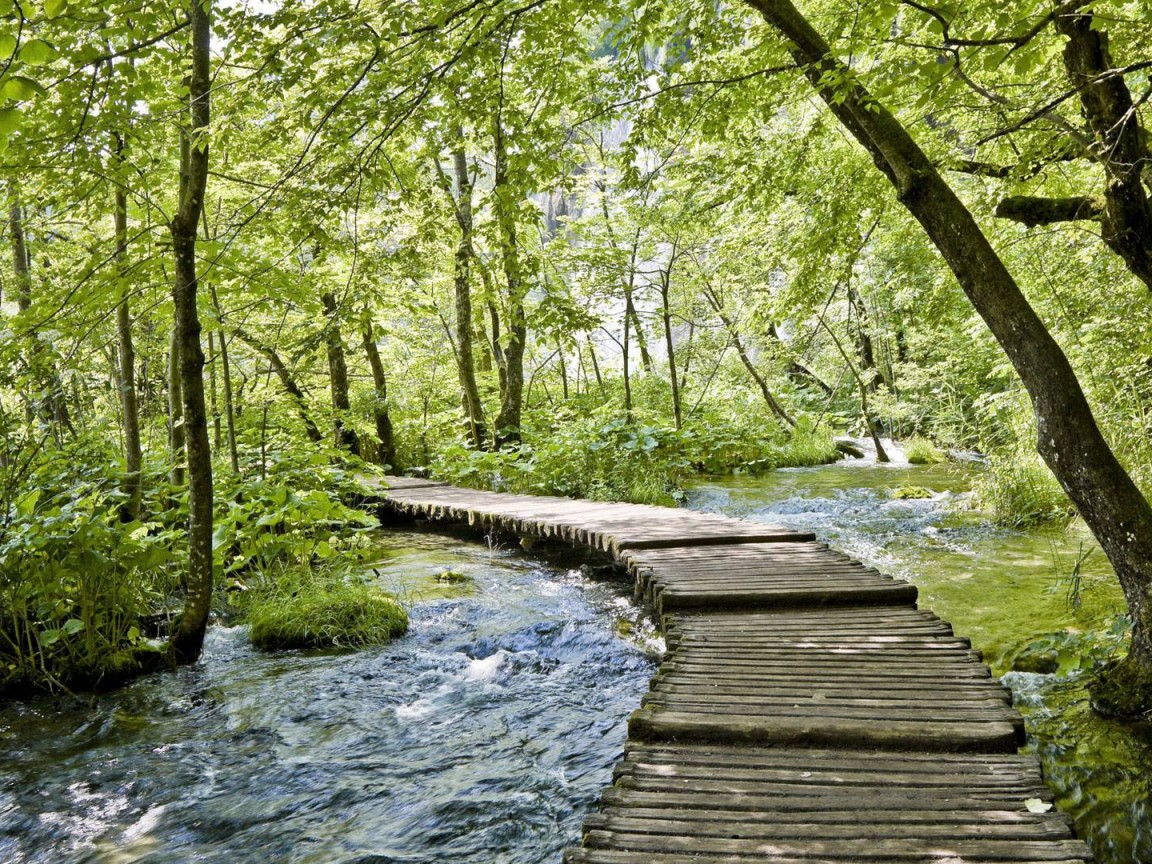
1018,594
486,733
482,736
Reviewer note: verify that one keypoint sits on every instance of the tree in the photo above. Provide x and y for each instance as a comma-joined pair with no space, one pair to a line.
1068,437
187,637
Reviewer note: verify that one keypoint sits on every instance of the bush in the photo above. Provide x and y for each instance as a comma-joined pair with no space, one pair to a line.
1021,492
921,451
321,609
75,583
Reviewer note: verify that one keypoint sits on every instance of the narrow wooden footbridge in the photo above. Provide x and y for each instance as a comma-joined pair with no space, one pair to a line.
806,710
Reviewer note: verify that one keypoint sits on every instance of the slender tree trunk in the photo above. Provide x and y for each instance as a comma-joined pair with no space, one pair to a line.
226,376
595,364
670,347
641,337
869,421
20,262
338,376
287,381
384,435
213,392
129,403
868,367
1068,437
188,634
466,364
511,405
734,334
176,431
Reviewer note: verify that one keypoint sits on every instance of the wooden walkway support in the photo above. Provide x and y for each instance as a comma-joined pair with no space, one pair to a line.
806,710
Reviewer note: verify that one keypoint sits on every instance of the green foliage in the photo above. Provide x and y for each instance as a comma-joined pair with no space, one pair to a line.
75,583
1021,492
320,608
921,451
295,514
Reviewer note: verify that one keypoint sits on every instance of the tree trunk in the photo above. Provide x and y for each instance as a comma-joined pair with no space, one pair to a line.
213,392
384,435
287,381
226,375
466,364
188,635
738,343
670,347
511,405
20,266
870,372
1068,438
175,410
129,404
338,376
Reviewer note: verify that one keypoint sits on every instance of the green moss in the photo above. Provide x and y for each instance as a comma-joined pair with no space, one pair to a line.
911,492
322,612
921,451
452,577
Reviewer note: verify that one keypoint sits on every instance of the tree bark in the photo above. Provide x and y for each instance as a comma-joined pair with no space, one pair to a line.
1068,437
511,405
132,485
466,364
864,346
338,376
386,444
187,637
1126,220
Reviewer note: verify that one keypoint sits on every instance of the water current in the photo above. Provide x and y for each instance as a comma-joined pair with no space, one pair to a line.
1018,594
483,736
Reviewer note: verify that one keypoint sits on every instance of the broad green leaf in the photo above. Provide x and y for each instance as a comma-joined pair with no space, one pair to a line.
8,45
53,8
19,88
37,52
50,637
73,626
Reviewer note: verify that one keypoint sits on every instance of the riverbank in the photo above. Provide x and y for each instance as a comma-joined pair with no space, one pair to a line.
1011,591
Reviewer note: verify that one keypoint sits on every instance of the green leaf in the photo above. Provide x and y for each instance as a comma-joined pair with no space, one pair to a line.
8,45
37,52
53,8
73,626
50,637
18,88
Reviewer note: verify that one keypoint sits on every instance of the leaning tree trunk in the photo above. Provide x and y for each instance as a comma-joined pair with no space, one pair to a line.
287,381
1068,437
338,376
129,403
669,344
226,375
188,635
385,439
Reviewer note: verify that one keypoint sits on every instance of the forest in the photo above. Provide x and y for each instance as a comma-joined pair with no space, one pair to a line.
261,249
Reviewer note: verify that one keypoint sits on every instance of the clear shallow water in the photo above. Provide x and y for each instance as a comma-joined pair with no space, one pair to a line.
1006,590
482,736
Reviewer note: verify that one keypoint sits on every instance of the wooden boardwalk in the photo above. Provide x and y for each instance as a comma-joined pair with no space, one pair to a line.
805,711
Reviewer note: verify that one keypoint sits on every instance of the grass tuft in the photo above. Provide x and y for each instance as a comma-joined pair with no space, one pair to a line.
323,609
921,451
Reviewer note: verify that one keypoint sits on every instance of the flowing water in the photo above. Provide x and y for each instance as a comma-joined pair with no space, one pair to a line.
482,736
1019,595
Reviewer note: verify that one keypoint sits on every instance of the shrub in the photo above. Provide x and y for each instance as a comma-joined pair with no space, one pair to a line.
921,451
321,609
1021,492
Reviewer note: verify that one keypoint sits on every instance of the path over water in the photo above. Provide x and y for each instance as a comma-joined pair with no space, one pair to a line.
806,709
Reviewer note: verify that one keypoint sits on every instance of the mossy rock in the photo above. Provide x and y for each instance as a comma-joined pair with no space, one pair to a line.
921,451
904,493
452,577
1039,657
